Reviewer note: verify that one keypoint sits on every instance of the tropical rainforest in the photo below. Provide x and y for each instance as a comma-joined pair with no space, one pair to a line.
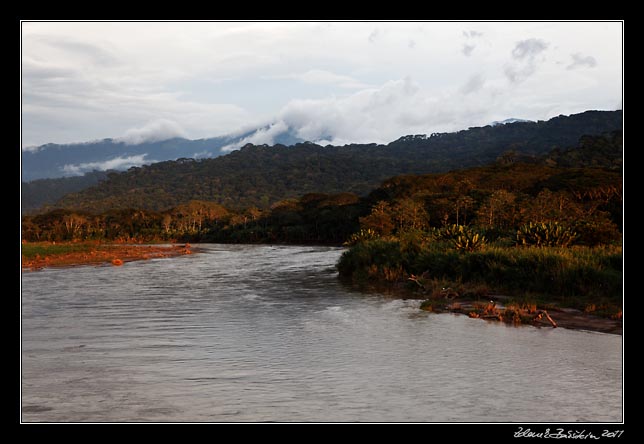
580,187
526,223
261,176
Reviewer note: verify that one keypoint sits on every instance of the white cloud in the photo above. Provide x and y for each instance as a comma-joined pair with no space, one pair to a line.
529,49
93,80
525,53
468,48
260,137
117,163
374,115
154,131
31,148
579,60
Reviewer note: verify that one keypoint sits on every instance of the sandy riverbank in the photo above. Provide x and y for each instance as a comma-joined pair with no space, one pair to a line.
97,254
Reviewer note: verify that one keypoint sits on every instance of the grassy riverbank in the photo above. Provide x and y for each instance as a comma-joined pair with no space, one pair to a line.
587,279
38,255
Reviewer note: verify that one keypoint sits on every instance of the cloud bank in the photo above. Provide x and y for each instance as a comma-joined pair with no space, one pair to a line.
383,114
154,131
260,137
117,163
90,80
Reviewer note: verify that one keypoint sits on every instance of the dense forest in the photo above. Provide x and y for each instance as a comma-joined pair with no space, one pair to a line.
41,192
496,200
263,176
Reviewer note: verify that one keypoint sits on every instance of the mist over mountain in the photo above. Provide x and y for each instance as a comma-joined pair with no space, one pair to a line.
510,120
261,175
75,159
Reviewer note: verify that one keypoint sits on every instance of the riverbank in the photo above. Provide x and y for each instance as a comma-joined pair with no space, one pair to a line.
537,315
575,287
39,255
503,308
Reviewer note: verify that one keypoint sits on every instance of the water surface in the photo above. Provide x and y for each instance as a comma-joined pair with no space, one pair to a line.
262,333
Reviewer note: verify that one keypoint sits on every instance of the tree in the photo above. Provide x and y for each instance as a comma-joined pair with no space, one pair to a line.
462,205
409,213
166,222
379,220
499,210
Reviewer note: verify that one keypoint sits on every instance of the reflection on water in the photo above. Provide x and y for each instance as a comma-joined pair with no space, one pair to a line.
261,333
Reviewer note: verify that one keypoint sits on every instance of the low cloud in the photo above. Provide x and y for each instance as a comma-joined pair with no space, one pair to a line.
381,114
117,163
202,155
31,148
525,55
260,137
580,61
154,131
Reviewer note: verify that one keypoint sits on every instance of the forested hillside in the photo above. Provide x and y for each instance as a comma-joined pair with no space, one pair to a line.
259,176
497,199
41,192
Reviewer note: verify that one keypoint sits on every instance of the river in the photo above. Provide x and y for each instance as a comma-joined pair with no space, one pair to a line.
268,333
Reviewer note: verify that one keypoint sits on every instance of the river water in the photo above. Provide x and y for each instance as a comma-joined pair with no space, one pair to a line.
263,333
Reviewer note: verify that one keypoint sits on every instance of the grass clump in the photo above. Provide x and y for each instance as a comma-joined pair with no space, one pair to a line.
32,250
573,276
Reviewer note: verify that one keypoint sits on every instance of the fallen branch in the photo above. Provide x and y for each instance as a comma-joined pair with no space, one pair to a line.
543,313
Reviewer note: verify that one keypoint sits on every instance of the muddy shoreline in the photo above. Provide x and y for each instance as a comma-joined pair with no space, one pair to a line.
564,317
105,254
569,318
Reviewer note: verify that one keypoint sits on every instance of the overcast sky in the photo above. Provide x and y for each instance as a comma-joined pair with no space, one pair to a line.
339,82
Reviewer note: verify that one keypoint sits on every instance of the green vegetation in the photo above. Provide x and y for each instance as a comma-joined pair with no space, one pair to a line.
525,227
469,208
573,276
261,176
530,231
42,192
545,234
463,238
314,218
42,249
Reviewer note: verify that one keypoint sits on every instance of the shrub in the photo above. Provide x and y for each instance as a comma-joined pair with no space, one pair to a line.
545,234
462,238
361,236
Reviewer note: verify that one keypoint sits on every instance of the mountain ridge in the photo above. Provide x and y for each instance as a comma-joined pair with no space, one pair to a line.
51,160
261,175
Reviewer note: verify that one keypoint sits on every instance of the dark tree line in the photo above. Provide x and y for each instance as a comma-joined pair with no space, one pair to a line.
496,199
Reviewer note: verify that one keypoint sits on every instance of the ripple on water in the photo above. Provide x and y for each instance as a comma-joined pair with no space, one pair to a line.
261,333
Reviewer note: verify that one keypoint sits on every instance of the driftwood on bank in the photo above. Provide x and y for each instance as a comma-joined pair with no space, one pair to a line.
542,314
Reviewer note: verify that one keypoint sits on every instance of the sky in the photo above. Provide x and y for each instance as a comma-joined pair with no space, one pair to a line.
330,82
